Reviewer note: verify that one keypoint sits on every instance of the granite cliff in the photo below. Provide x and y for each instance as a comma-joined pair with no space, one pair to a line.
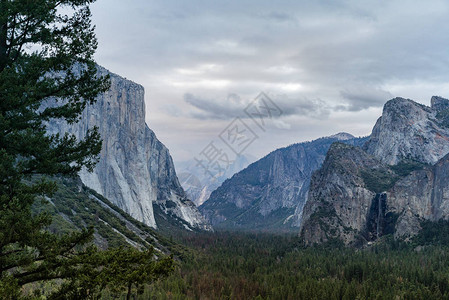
423,195
409,130
400,181
135,171
342,194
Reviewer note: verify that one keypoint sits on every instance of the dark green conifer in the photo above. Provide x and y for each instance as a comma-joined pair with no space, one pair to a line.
46,54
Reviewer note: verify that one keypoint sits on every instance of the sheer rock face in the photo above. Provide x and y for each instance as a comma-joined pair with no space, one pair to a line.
341,205
339,201
408,130
422,195
270,193
359,196
135,170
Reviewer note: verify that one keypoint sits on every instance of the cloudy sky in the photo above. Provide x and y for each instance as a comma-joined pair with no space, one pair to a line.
329,66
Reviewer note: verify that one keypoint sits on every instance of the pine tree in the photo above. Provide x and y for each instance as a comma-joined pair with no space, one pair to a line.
46,56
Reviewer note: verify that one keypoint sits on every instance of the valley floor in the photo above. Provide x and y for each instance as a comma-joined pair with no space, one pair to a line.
227,265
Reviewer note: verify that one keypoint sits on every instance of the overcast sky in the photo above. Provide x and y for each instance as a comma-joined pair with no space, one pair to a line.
329,66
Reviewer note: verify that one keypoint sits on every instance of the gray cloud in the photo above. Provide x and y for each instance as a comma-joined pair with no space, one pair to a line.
364,97
228,108
334,43
234,106
335,60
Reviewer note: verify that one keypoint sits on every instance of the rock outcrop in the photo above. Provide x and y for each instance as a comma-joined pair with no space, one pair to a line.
342,196
270,193
357,199
397,183
135,170
408,130
422,195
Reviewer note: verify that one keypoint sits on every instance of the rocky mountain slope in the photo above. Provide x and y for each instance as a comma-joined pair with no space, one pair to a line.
135,170
74,206
270,193
397,183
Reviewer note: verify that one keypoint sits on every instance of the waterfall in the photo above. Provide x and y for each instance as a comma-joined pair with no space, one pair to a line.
379,214
381,206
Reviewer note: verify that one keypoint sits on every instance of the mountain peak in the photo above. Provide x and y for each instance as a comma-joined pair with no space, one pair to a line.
342,136
439,103
403,106
409,130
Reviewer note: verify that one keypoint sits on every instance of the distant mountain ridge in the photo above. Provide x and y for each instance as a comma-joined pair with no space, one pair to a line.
270,193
